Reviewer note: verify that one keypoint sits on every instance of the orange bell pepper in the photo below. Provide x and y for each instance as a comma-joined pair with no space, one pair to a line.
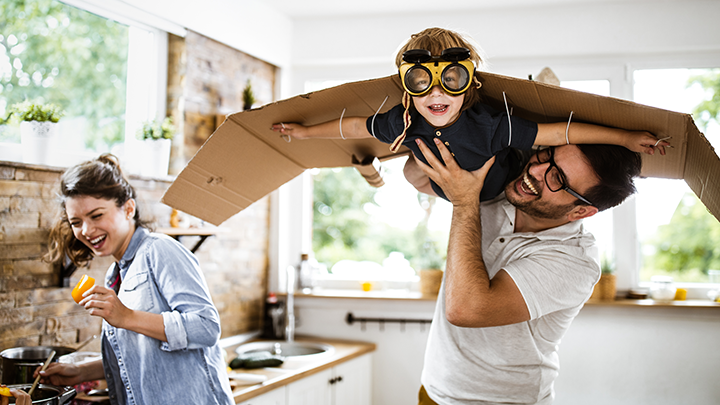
5,391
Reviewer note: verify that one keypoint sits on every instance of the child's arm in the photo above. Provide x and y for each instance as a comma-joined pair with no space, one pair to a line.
415,176
637,141
352,127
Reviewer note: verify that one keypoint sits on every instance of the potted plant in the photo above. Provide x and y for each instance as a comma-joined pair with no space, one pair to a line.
157,138
248,96
38,129
605,289
431,264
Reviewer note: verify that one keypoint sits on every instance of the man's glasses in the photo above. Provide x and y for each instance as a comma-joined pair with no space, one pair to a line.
554,177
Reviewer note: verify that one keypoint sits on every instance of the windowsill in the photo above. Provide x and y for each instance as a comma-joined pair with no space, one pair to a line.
355,294
414,295
656,304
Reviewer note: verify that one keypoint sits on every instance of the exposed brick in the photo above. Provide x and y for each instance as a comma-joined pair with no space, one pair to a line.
21,329
7,300
15,316
21,188
20,219
7,173
41,176
64,338
22,251
57,309
19,342
23,235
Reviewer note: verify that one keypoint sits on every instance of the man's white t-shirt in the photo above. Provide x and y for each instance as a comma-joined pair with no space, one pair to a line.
555,270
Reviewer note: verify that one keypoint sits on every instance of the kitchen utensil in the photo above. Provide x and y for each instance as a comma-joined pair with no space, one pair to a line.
46,394
19,363
37,379
83,344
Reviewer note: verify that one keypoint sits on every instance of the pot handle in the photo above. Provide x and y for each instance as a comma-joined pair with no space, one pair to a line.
68,393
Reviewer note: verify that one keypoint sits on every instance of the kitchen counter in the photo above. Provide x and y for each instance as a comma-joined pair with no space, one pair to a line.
295,368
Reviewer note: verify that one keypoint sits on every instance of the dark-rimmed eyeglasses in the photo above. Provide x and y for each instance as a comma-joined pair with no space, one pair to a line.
554,177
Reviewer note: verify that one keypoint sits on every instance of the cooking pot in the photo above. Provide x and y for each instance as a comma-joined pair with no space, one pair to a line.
46,394
19,363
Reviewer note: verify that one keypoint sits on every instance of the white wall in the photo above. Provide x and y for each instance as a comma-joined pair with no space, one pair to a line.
610,355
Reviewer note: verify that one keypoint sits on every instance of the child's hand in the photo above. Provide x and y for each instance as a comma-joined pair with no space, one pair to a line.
645,142
290,129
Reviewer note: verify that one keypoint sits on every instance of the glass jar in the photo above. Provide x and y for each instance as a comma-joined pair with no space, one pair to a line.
662,288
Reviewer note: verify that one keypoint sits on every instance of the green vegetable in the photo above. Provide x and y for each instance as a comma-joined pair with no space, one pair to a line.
256,360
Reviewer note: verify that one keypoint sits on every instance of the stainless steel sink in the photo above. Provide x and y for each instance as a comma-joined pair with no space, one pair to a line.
286,349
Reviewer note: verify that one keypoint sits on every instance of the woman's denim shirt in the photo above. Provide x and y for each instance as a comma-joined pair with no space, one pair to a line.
159,275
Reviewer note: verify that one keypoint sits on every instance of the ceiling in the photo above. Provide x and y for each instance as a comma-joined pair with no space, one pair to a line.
316,8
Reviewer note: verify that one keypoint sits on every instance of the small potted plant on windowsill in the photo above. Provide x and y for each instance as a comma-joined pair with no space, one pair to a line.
157,139
431,264
38,129
605,289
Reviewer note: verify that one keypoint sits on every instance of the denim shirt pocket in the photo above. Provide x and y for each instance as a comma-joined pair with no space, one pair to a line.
136,292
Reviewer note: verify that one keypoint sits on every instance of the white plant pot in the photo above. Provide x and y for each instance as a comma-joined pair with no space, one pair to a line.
38,140
156,157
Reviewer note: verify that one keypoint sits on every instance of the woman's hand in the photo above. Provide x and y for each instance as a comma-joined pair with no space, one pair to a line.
104,302
61,374
21,398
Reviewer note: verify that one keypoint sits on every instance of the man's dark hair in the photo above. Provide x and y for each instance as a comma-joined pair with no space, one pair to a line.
616,167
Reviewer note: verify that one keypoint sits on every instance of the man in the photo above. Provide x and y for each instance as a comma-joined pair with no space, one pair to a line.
519,269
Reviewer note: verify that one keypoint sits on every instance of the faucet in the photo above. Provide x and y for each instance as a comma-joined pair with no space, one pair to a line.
290,306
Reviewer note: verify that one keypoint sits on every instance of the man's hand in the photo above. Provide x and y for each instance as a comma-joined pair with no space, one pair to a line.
460,186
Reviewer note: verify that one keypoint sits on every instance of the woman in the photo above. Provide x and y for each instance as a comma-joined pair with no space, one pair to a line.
160,327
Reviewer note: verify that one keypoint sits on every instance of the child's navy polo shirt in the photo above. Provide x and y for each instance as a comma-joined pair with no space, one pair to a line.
478,134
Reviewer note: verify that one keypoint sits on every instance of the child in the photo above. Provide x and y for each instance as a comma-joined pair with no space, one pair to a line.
437,71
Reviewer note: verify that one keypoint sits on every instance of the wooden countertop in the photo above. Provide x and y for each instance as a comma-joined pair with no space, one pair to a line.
295,368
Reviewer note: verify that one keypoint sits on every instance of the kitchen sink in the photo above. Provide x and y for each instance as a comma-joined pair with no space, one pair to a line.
286,349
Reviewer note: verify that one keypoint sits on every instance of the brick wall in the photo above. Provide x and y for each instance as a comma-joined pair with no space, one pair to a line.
205,79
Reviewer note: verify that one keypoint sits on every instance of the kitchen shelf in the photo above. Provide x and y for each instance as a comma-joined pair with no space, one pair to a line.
203,233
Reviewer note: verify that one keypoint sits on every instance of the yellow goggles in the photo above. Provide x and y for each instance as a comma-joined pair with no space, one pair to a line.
452,70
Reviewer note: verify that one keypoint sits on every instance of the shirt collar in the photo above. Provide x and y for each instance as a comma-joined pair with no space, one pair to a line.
138,237
562,232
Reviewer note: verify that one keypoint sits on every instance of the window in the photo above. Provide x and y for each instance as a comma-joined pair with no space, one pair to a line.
102,73
678,236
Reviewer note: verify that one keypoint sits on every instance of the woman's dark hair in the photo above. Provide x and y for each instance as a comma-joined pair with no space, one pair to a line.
616,167
98,178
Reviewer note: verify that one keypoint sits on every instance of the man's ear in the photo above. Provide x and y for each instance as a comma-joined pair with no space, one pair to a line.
581,211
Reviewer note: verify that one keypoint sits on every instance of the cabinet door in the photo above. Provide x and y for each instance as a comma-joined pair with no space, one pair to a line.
352,382
274,397
312,390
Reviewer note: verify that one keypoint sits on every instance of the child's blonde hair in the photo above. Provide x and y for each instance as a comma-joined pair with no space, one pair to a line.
437,40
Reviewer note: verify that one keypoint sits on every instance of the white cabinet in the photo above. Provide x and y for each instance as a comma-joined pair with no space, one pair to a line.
352,382
274,397
347,383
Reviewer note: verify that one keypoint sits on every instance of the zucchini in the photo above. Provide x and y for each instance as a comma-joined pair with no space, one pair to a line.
256,360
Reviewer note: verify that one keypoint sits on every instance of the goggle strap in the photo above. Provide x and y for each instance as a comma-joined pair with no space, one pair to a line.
406,123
